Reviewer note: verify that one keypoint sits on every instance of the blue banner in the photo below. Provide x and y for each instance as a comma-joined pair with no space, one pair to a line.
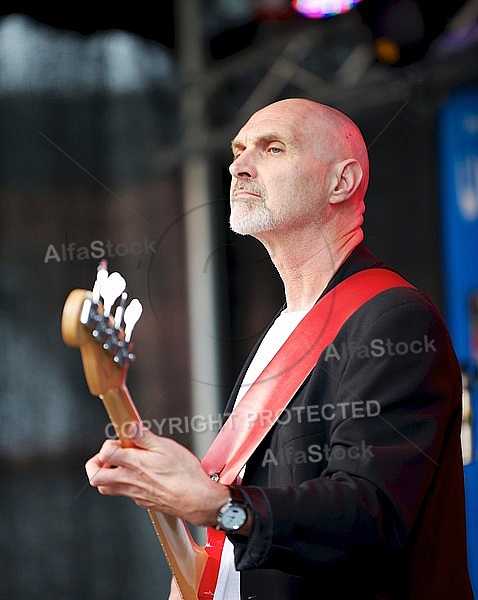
458,178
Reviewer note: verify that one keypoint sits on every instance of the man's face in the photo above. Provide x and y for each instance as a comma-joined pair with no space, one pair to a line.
278,175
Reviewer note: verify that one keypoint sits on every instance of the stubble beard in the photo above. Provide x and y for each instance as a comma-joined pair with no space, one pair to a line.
250,216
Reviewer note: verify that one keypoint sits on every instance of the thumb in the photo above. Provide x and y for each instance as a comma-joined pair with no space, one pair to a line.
140,436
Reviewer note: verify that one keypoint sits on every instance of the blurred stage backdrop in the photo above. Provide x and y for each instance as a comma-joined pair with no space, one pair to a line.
115,135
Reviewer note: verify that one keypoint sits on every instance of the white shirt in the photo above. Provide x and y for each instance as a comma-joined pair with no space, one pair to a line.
228,583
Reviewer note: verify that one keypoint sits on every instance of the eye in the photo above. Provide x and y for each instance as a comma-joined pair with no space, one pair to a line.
274,150
236,154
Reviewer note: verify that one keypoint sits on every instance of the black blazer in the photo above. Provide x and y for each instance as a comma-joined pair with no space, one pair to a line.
357,491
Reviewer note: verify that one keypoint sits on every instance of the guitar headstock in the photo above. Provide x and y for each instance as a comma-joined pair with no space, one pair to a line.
100,323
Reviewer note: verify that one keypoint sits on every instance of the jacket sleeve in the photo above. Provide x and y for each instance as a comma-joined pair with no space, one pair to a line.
377,467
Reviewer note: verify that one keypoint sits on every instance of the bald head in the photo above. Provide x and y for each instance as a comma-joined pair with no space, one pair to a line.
333,135
298,166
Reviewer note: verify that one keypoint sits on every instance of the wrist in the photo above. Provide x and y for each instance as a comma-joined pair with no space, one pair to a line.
234,516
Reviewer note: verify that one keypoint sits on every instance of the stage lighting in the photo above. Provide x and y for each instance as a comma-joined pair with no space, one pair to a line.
322,9
403,30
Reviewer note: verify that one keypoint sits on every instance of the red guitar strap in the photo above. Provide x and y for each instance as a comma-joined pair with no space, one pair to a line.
267,398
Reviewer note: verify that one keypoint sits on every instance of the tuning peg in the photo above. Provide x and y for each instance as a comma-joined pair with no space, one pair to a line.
120,310
101,276
111,288
131,317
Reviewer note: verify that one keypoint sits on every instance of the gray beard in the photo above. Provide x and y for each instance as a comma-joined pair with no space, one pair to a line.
258,218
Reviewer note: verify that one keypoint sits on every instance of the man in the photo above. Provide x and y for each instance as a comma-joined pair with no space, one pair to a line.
359,492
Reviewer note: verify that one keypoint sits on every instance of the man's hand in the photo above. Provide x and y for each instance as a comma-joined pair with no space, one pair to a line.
158,474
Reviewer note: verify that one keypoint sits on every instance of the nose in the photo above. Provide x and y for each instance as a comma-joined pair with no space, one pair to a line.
243,167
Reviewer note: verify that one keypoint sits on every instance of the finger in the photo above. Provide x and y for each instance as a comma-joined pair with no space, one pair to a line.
110,481
118,482
112,453
94,467
143,438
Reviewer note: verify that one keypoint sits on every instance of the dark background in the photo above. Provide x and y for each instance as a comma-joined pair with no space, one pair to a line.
93,144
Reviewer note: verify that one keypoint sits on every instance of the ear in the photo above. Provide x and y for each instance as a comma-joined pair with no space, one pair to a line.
348,178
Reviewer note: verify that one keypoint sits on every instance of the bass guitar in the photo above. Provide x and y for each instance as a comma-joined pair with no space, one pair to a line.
100,323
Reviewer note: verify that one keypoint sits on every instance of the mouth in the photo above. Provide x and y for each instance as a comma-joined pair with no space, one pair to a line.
246,193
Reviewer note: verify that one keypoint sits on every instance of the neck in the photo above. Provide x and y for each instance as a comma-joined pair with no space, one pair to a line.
307,263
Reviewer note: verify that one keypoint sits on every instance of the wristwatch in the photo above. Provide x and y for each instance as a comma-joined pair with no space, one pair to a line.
233,515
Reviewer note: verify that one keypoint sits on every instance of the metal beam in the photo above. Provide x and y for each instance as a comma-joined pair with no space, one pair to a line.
202,281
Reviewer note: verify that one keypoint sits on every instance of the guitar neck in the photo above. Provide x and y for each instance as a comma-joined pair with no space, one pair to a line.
185,557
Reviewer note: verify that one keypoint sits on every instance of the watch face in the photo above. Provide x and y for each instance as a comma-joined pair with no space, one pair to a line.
233,518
